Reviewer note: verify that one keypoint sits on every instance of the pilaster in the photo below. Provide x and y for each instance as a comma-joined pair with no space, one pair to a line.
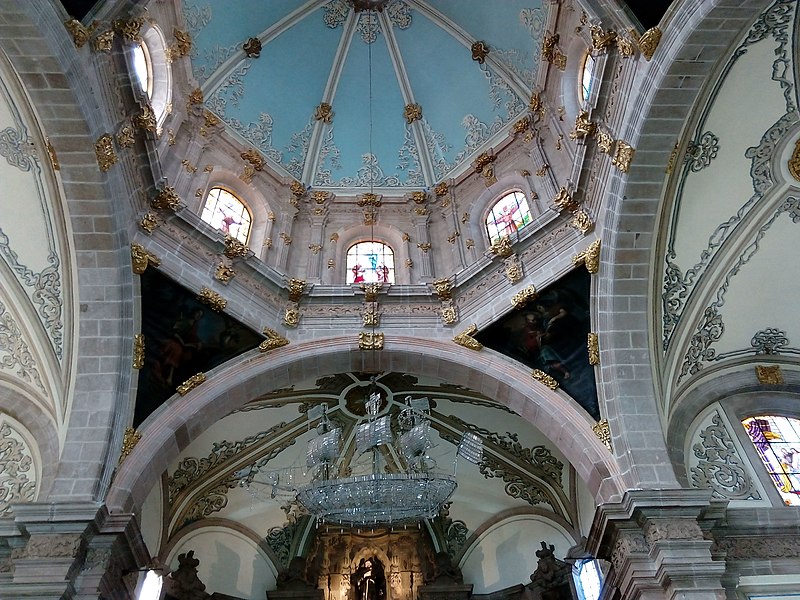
659,544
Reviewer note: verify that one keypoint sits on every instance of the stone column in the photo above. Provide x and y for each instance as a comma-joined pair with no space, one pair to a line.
659,544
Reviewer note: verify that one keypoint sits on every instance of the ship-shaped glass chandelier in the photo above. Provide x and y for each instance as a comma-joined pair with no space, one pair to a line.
378,497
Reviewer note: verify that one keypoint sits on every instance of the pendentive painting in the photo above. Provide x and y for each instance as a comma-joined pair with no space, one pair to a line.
550,334
182,337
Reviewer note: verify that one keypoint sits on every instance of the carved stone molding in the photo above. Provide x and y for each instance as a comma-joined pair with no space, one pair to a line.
657,530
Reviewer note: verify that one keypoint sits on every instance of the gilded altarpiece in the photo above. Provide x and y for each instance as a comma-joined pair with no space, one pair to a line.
337,561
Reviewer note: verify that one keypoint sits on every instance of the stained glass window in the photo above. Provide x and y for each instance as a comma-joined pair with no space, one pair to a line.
142,68
370,262
589,581
777,440
226,212
587,77
507,216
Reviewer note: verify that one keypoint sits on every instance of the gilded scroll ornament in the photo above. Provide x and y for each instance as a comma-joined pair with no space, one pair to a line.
521,126
274,340
563,200
542,171
234,248
315,248
166,198
323,112
51,152
297,189
370,216
80,34
443,288
285,238
582,221
371,317
593,346
334,237
104,151
590,257
441,189
648,42
369,340
141,259
138,351
212,299
466,340
449,313
104,41
625,46
501,247
331,263
551,53
453,237
794,161
369,199
371,291
544,379
623,155
480,50
149,222
129,29
126,136
183,43
145,119
297,288
469,243
521,298
673,160
412,112
584,127
252,47
291,316
604,141
224,273
536,105
320,197
191,383
195,97
129,441
769,374
247,174
602,39
254,158
424,246
603,433
512,269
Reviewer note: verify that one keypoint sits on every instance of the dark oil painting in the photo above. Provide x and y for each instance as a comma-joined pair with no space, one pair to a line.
182,337
550,334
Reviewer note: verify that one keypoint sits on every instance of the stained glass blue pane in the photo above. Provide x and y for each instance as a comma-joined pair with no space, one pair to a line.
507,216
370,262
227,213
777,440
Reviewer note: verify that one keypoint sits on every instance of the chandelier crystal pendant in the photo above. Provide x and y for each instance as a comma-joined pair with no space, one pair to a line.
377,498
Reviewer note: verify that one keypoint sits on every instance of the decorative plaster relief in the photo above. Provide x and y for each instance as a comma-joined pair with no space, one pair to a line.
18,469
15,352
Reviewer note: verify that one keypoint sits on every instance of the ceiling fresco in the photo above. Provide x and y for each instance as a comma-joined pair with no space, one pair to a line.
414,53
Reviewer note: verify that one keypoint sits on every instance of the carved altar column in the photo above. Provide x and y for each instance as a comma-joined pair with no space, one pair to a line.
659,546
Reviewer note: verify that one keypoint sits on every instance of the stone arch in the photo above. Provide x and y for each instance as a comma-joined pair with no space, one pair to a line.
182,419
62,86
656,116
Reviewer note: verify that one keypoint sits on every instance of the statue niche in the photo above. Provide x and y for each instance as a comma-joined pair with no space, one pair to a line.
368,581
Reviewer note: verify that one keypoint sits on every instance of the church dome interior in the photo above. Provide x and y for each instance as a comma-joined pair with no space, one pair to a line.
399,300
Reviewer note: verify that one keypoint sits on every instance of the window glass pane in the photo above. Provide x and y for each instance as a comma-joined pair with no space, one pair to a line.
370,262
508,215
226,212
142,69
777,440
587,77
151,587
590,580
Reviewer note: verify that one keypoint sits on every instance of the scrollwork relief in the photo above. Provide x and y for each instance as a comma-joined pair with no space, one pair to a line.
17,472
14,351
720,468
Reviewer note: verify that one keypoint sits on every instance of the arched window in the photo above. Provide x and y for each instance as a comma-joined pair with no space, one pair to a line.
143,68
370,262
777,440
227,213
508,215
586,77
589,580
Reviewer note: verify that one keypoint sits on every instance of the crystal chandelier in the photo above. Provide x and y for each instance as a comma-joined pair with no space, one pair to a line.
377,498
